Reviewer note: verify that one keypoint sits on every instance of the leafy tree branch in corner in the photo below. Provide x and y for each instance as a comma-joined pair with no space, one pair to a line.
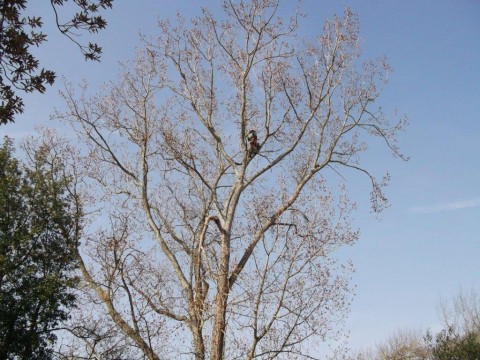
19,69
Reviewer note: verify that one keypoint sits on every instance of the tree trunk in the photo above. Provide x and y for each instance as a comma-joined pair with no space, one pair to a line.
220,324
221,300
199,344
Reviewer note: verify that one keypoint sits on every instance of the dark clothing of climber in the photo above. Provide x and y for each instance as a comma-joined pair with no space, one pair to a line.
253,146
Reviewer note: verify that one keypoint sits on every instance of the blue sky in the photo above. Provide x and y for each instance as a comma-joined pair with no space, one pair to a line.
427,244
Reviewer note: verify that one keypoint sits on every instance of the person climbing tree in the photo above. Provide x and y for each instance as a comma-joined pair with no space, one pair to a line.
253,146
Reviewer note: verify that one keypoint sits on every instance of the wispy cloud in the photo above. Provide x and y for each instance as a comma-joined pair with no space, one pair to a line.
455,205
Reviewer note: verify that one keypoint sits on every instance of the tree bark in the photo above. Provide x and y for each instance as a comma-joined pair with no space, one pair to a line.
221,300
220,323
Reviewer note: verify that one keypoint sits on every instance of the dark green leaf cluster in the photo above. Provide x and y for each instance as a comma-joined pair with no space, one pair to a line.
19,69
37,262
449,344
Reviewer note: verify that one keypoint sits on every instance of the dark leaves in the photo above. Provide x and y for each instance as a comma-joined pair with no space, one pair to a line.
19,69
36,257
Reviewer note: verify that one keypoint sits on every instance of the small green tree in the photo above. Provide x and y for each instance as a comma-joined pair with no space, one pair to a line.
36,262
450,344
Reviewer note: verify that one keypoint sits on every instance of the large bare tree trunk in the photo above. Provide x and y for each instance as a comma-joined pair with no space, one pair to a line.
220,322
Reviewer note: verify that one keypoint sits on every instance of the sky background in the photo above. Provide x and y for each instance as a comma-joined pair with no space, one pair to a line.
426,246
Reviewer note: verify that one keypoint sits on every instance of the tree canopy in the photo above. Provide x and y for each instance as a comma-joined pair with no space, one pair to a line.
19,69
36,258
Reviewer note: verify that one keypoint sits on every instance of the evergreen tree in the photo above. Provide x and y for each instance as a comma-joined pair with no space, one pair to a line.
36,261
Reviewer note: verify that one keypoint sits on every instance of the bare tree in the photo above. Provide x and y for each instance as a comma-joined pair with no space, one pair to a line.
203,246
461,313
401,345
